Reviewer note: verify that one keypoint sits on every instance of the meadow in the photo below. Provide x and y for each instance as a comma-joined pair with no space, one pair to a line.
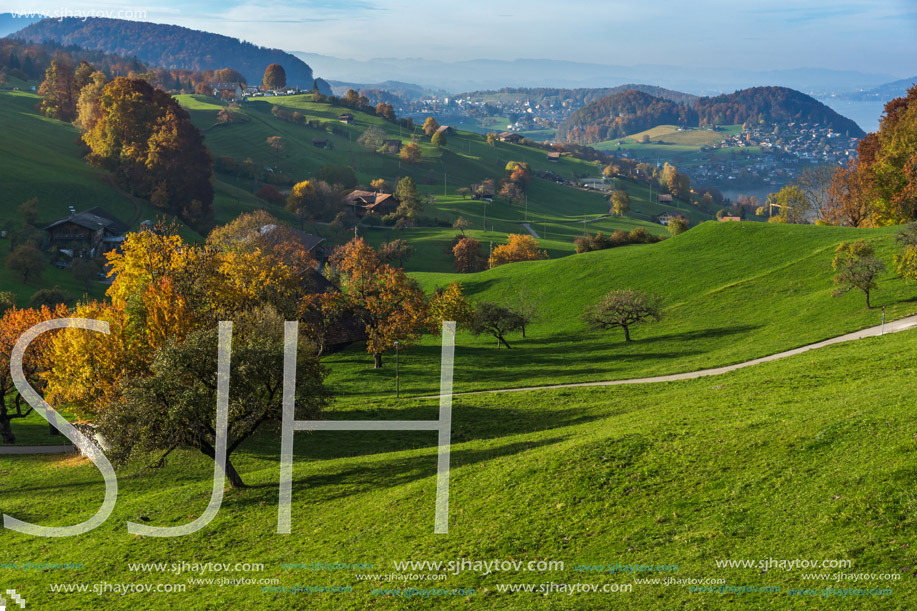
805,458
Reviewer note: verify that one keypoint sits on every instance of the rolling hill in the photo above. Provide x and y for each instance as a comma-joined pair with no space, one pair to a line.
169,46
632,111
752,464
714,278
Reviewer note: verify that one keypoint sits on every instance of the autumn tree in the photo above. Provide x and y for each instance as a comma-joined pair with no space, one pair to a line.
468,256
13,324
495,320
450,303
313,199
463,191
372,137
28,211
385,111
519,248
60,90
430,126
26,262
857,268
491,138
277,145
388,303
677,225
275,77
147,140
906,258
620,203
409,205
410,153
88,111
849,197
380,185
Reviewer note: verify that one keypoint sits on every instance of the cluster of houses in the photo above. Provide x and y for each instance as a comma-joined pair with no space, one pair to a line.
240,92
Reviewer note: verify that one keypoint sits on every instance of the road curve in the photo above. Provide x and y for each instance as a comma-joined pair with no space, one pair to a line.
901,324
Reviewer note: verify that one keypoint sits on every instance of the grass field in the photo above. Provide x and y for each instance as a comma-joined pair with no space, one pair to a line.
807,458
733,292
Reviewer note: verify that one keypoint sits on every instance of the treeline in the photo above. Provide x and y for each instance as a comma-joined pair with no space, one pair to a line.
28,61
631,112
169,46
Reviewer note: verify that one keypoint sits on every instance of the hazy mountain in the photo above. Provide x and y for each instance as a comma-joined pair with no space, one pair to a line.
485,74
10,24
881,93
405,91
169,46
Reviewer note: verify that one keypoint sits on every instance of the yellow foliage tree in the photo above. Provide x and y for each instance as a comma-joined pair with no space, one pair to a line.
520,248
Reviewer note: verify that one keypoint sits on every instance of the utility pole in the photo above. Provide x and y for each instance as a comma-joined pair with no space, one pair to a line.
397,377
883,321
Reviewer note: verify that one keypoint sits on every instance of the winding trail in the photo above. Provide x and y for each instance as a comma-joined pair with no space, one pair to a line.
901,324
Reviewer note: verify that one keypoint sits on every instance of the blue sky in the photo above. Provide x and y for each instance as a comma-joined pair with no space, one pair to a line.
870,36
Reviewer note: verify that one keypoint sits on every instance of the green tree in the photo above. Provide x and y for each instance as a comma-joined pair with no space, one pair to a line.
792,202
27,262
856,267
624,309
906,259
409,205
677,225
496,320
28,211
438,139
173,406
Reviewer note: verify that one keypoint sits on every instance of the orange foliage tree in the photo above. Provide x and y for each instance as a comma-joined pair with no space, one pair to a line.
13,324
520,248
390,305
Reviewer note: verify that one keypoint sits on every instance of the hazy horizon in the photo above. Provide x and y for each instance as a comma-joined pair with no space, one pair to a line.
877,38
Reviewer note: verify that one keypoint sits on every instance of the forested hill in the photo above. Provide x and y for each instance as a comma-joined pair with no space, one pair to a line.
633,111
169,46
621,114
773,105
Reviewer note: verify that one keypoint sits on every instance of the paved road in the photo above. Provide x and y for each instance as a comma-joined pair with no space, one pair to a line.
891,327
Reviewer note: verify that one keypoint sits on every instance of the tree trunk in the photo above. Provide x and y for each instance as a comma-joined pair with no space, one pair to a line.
6,431
377,360
503,341
523,331
867,300
235,480
626,333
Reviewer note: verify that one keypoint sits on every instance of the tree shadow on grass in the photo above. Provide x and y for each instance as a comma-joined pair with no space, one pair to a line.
346,481
470,422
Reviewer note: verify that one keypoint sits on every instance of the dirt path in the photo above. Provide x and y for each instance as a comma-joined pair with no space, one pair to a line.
891,327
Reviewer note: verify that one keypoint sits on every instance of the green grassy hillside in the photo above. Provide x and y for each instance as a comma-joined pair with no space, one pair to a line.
554,210
733,291
755,465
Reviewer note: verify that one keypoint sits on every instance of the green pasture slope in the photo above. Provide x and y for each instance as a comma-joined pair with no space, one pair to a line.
733,292
466,159
809,458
